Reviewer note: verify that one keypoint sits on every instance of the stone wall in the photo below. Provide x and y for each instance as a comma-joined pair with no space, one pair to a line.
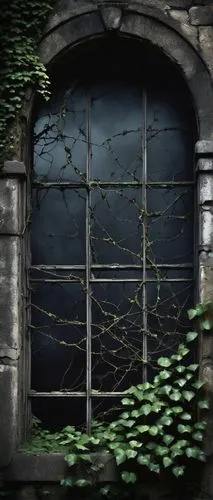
182,29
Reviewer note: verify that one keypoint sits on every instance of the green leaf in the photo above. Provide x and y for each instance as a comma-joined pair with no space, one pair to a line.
120,456
71,459
125,414
166,420
207,324
178,471
142,428
203,405
168,438
67,482
181,382
164,374
186,416
161,450
184,428
192,313
164,362
175,396
188,395
154,467
201,426
198,436
127,401
192,452
183,350
191,336
131,453
177,409
129,477
80,446
153,430
135,413
198,384
156,407
144,459
180,368
146,409
167,461
193,367
127,423
166,389
82,482
135,444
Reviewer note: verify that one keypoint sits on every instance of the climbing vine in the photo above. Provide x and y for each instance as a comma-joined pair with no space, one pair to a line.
158,427
21,23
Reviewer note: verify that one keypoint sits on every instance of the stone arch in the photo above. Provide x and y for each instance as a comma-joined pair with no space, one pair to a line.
165,35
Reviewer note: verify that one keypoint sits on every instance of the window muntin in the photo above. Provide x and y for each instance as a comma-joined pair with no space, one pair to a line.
112,241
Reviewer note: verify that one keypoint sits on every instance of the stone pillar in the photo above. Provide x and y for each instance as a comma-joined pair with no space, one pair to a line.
12,217
204,153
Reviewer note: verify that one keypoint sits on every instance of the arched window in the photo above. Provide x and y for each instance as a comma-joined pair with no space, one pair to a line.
112,227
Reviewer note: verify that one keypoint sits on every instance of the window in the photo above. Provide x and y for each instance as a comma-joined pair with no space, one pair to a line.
112,230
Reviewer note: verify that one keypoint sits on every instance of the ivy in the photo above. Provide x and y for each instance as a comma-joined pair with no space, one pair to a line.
21,23
157,428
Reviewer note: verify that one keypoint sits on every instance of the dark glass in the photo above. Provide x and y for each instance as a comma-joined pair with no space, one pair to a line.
57,413
117,335
58,226
58,337
116,233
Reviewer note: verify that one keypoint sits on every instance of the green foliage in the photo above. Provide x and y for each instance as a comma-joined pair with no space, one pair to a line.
21,24
204,313
157,429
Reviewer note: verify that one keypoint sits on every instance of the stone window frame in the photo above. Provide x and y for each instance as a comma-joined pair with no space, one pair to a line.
62,33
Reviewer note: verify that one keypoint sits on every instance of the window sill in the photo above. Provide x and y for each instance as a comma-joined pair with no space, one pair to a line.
51,467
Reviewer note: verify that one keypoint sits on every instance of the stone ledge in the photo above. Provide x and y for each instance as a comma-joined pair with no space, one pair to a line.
13,168
201,16
51,467
204,148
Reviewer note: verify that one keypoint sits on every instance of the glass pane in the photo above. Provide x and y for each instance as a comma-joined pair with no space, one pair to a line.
116,231
60,138
117,336
58,337
170,137
58,226
167,305
56,413
107,409
170,225
116,132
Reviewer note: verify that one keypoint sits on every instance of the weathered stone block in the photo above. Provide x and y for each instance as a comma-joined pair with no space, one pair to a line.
111,17
206,44
206,228
8,412
10,209
10,293
181,4
205,282
205,189
204,148
201,15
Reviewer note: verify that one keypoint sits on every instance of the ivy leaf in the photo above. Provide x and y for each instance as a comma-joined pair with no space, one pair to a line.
166,420
168,438
135,444
184,428
198,436
191,336
207,324
146,409
127,423
131,453
178,471
181,382
203,405
164,362
120,456
71,459
142,428
193,367
167,461
166,389
175,396
125,415
186,416
177,409
164,374
198,384
161,450
154,467
180,368
129,477
188,395
82,483
127,401
153,430
144,459
192,313
183,350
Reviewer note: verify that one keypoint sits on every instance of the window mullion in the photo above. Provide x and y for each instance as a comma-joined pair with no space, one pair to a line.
144,208
88,268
